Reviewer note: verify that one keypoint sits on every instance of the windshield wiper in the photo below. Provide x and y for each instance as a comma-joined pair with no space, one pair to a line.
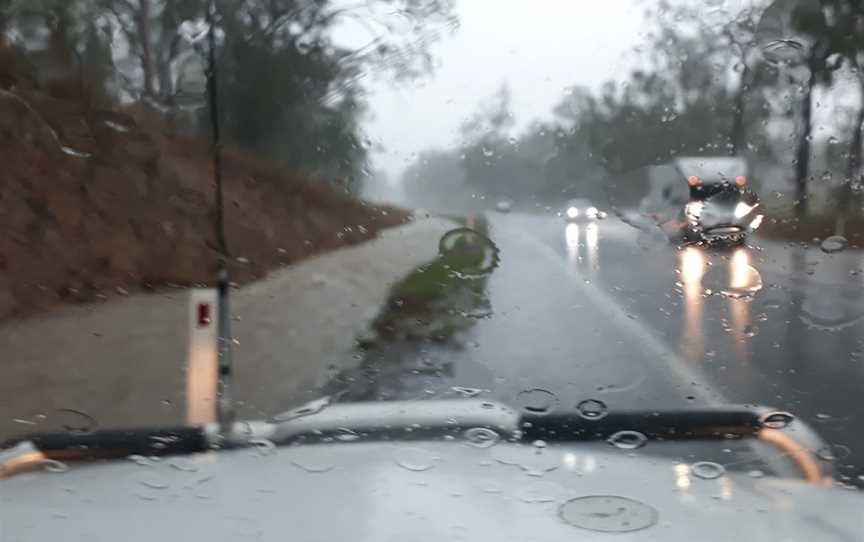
409,420
432,420
710,423
116,442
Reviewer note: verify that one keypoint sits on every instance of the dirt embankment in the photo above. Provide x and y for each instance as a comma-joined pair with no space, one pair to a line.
97,202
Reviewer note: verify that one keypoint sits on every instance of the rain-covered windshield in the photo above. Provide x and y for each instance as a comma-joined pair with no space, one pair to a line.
380,190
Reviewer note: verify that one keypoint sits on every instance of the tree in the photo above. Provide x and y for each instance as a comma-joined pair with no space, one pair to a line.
290,90
847,41
818,32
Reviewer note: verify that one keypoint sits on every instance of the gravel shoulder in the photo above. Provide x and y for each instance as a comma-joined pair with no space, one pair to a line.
123,361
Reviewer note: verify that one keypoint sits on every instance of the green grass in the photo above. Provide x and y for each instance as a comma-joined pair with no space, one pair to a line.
438,298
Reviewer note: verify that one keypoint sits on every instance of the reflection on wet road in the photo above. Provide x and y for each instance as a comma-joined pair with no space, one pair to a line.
599,311
582,245
731,277
766,323
692,266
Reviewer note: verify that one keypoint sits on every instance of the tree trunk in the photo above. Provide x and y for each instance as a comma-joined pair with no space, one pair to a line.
853,165
738,133
168,50
146,42
802,154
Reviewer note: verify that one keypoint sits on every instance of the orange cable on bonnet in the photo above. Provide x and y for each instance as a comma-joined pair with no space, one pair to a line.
803,458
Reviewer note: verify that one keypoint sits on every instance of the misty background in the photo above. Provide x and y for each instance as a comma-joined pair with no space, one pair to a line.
452,104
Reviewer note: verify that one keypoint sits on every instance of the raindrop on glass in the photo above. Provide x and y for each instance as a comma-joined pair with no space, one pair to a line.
777,420
73,421
707,470
466,392
183,465
539,492
835,243
74,152
310,408
738,280
833,452
537,400
592,409
783,51
491,487
193,31
303,44
481,437
415,459
154,483
263,446
295,28
627,440
54,466
608,514
311,463
347,435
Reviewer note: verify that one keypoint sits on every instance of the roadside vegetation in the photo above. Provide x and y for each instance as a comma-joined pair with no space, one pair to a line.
107,181
440,298
101,203
752,80
429,310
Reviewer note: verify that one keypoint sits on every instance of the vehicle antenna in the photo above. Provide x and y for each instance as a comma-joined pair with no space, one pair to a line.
224,407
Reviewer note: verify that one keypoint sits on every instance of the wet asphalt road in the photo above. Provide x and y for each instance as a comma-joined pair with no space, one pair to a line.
606,312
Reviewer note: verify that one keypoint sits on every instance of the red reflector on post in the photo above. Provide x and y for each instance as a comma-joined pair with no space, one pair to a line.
692,180
203,314
740,180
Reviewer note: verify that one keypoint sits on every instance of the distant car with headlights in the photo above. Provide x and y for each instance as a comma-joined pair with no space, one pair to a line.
721,209
504,206
581,210
702,199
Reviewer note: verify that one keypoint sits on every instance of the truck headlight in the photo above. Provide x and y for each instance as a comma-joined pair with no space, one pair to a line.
694,209
742,209
756,222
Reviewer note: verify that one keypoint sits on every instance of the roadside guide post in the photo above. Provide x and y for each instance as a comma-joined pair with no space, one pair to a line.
202,359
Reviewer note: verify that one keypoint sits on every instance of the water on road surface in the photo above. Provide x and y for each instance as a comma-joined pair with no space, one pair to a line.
603,312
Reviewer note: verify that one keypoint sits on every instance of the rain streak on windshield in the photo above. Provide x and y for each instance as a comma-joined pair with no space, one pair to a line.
631,227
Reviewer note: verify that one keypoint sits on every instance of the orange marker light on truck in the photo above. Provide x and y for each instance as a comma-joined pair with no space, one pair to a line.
692,180
740,180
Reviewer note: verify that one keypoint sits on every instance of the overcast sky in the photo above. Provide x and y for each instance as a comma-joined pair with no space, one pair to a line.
537,47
